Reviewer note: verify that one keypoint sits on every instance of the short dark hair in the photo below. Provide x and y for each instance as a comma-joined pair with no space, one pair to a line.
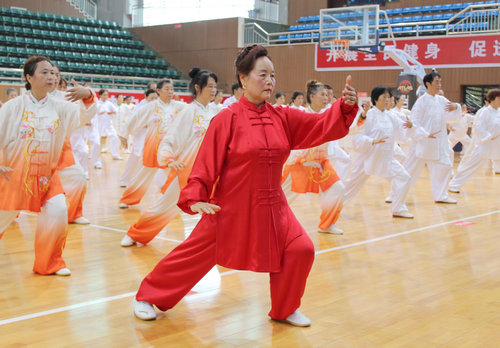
377,92
235,86
160,84
127,97
493,94
149,91
397,97
150,83
245,61
199,77
30,66
429,78
328,87
102,91
10,90
296,94
279,95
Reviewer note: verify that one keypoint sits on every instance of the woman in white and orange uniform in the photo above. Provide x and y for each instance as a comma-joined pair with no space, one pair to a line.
33,129
310,170
71,174
134,161
178,151
157,117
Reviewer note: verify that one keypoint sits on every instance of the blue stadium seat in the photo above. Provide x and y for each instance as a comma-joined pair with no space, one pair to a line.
446,8
426,9
437,17
447,16
467,4
427,18
416,18
437,8
457,6
397,12
389,12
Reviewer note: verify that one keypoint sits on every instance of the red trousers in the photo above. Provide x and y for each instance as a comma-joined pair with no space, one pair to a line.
175,275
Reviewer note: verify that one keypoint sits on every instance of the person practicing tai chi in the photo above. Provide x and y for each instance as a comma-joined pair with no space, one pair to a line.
487,143
236,184
33,129
177,152
156,117
375,143
310,170
430,142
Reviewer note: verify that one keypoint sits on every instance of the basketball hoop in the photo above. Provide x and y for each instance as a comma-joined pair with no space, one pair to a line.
340,47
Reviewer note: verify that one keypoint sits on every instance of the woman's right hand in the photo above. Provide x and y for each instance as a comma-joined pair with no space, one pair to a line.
205,208
177,165
4,170
380,140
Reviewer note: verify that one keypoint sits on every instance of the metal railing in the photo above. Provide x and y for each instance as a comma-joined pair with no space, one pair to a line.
87,7
14,76
471,20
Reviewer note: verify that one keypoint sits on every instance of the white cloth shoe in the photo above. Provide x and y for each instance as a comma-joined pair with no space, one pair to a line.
332,230
402,214
122,206
144,310
453,190
98,166
448,201
127,241
81,221
298,319
123,185
388,199
117,158
63,272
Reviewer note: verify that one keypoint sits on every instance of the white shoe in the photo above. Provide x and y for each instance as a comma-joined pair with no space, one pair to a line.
403,214
144,310
298,319
127,241
122,206
332,230
126,151
123,185
63,272
448,201
117,158
388,199
81,221
98,166
104,150
453,190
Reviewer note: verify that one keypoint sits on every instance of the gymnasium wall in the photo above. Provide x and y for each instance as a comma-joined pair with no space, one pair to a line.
213,45
60,7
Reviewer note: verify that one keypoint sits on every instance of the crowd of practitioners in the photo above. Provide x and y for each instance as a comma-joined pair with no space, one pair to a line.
239,163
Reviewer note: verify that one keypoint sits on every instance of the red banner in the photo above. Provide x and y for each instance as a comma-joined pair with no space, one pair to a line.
432,52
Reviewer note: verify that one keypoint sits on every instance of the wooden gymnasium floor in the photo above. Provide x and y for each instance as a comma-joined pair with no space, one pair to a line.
429,282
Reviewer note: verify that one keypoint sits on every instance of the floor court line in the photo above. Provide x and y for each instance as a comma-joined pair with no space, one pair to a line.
130,294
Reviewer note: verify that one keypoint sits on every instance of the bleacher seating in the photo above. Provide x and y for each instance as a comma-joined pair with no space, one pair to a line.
410,19
77,45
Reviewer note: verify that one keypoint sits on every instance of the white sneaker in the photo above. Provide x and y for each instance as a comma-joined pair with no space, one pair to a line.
402,214
388,199
123,185
104,150
122,206
127,241
126,151
453,190
298,319
144,310
117,158
98,166
81,221
63,272
448,201
332,230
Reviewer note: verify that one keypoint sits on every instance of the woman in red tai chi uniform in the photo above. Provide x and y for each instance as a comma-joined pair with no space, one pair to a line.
236,184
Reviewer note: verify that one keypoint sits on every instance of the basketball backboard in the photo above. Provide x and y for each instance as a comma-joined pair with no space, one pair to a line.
357,24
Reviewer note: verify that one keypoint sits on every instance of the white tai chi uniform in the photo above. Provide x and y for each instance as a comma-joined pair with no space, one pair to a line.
378,159
485,149
104,126
458,132
428,116
401,146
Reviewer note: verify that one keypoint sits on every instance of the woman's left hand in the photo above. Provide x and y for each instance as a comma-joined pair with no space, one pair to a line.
349,93
77,92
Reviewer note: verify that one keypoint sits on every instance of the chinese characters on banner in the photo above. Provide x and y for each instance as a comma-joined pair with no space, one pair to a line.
439,52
